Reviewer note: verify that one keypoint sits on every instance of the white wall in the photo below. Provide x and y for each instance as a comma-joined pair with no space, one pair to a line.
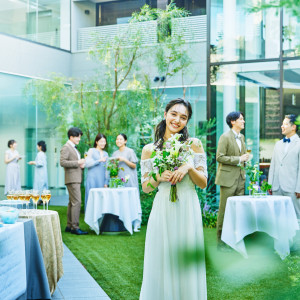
80,20
22,57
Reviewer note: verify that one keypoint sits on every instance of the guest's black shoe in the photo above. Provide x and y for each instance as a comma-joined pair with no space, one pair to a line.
68,229
78,231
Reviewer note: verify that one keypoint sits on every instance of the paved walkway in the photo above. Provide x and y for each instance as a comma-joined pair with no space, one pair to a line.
77,283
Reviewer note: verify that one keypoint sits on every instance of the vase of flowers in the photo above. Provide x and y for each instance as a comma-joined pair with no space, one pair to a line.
113,168
116,182
253,172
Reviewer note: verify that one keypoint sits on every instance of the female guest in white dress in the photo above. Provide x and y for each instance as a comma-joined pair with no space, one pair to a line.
40,173
174,228
12,157
95,163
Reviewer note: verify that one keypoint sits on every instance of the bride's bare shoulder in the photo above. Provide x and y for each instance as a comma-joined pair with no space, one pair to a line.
196,145
147,151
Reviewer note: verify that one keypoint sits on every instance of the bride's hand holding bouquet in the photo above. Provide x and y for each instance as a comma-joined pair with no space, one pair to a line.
170,163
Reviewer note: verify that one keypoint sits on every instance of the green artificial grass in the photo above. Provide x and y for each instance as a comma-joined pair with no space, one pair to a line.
116,262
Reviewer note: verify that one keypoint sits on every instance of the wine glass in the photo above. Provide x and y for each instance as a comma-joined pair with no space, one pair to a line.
249,150
15,195
27,197
35,196
46,196
9,195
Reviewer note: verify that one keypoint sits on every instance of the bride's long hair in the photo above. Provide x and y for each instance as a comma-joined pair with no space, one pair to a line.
161,126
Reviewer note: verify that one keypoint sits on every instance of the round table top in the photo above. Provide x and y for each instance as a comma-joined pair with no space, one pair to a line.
36,212
261,198
112,189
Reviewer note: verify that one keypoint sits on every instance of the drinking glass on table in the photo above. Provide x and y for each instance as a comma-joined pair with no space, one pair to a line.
27,197
46,196
9,195
35,196
15,195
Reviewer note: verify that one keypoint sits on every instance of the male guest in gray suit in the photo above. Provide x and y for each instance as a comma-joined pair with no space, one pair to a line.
231,152
284,174
72,163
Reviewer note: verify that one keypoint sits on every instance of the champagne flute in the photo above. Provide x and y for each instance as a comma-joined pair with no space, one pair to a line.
35,196
15,195
249,150
27,197
43,197
47,197
9,195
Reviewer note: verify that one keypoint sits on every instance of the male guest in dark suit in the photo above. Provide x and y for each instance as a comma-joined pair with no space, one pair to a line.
284,174
231,152
72,163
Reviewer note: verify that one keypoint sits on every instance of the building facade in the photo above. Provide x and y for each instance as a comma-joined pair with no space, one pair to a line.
241,60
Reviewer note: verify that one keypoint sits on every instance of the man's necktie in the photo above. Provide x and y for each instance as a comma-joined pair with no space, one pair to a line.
286,140
238,137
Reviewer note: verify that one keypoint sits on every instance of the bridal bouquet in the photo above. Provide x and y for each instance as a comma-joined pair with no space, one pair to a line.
173,155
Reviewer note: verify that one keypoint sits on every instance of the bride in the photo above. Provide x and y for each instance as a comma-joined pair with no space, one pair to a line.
174,228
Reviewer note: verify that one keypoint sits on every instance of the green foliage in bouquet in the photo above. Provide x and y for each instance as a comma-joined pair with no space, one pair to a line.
113,167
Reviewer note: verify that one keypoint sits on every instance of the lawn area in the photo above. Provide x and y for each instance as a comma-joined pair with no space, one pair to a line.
116,263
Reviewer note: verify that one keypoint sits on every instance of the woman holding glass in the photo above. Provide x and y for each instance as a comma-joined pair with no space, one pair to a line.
40,174
96,165
12,157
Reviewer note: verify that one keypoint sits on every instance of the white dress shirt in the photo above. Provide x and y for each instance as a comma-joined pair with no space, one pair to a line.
287,145
73,145
238,139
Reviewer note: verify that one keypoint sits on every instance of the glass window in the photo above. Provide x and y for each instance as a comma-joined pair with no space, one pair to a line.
237,34
291,34
43,21
22,120
254,90
291,87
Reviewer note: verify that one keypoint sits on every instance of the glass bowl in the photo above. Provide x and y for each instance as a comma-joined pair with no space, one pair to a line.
9,215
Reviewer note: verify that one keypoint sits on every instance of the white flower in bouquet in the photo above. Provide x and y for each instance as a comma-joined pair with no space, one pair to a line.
173,155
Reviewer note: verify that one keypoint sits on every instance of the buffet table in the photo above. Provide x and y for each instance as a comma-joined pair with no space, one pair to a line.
48,230
12,262
274,215
121,202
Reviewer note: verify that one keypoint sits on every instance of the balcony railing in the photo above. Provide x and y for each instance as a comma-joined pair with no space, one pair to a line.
51,38
191,29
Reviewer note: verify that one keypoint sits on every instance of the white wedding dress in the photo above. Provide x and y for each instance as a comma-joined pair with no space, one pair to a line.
173,228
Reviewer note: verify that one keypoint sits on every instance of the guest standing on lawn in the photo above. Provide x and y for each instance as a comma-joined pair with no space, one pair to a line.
231,152
127,160
40,173
12,157
72,163
95,163
284,174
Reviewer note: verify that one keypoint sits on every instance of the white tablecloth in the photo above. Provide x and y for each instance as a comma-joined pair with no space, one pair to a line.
274,215
12,261
122,202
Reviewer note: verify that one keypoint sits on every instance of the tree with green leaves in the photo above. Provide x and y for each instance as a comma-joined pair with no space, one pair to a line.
120,95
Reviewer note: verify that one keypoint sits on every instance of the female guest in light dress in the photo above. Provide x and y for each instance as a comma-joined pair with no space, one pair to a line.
174,230
40,173
12,157
127,161
96,165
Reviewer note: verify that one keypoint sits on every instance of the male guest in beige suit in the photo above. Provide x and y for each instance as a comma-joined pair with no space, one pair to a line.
72,163
284,174
231,152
